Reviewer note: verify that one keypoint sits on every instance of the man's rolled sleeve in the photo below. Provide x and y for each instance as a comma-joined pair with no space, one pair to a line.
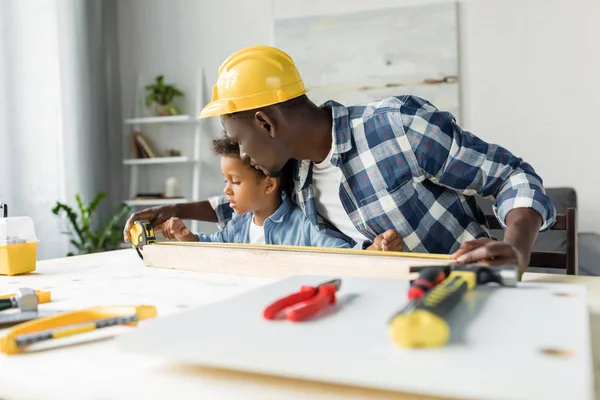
222,210
451,157
524,189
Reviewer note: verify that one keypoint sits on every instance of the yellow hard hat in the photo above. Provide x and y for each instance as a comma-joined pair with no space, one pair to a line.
254,77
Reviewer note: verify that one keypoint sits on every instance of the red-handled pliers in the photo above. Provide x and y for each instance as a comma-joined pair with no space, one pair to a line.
305,303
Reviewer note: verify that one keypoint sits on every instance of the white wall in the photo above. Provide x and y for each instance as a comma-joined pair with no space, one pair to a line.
54,125
32,123
531,82
529,70
5,179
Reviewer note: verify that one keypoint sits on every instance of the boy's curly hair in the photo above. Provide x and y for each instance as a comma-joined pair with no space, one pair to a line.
226,147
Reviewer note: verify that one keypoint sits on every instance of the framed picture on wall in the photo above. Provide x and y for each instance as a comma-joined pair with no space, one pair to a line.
362,56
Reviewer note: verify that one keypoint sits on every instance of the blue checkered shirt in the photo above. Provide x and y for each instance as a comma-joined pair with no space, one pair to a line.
408,166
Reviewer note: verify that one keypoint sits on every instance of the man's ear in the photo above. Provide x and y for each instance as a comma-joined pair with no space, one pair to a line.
271,184
265,122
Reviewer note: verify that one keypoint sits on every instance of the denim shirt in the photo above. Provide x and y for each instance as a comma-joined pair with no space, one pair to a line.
286,226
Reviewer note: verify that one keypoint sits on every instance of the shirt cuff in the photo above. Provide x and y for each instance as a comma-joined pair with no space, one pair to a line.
525,198
362,245
222,209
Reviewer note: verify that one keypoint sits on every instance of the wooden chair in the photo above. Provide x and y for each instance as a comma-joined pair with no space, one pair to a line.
555,259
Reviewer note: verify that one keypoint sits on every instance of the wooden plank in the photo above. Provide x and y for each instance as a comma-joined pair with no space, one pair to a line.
274,261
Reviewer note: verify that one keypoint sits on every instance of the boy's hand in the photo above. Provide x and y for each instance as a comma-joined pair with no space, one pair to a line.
175,229
389,240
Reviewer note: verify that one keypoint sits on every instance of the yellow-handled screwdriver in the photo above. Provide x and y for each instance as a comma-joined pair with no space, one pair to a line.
424,322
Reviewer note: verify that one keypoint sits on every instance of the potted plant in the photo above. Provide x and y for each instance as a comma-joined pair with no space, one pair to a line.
162,96
83,236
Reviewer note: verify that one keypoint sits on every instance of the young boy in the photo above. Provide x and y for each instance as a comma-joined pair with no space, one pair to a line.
265,213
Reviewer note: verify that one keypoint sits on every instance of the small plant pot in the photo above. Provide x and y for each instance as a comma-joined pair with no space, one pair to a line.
162,111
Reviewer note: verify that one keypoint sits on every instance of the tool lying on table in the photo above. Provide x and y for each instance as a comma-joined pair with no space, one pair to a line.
423,322
428,279
305,303
141,234
26,300
72,323
42,295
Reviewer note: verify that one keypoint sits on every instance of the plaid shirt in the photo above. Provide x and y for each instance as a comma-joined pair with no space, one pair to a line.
408,166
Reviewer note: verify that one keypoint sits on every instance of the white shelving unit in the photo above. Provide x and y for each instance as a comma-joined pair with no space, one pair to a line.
160,120
157,160
157,202
177,125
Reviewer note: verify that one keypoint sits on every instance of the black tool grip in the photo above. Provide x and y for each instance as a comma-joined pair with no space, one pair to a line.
442,299
5,304
428,278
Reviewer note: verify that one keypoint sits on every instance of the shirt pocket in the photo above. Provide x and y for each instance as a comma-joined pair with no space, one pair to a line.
394,208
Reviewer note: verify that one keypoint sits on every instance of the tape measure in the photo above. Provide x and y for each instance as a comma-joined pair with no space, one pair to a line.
141,234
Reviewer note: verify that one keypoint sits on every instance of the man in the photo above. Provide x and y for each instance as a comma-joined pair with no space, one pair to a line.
398,163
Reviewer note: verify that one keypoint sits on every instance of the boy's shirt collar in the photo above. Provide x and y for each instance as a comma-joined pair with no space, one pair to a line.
282,210
277,217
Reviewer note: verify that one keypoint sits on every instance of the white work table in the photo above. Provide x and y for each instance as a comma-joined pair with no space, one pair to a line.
91,366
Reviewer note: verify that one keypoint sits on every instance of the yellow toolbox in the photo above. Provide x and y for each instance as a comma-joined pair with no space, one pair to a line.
18,244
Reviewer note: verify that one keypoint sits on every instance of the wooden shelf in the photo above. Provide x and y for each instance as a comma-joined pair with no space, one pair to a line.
157,160
162,120
154,202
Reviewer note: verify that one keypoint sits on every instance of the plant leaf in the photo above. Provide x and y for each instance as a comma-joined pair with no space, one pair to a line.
71,216
115,220
84,213
96,201
77,245
161,93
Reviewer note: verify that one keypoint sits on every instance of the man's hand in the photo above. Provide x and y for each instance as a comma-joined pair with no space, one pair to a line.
389,240
522,226
155,215
491,253
175,229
